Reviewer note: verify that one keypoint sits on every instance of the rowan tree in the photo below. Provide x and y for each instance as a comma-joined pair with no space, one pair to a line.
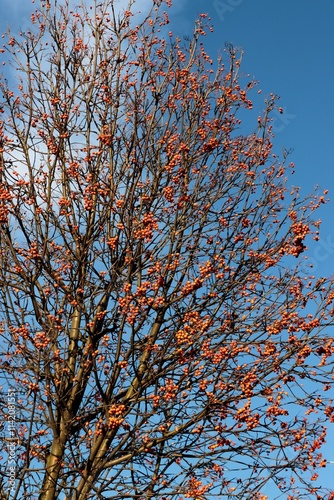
159,337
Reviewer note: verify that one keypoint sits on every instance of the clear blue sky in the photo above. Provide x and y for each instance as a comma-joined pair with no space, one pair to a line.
289,48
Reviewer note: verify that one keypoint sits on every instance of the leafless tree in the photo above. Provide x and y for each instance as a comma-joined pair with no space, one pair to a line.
158,337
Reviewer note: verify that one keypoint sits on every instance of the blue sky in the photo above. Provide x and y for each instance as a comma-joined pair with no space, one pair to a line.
289,47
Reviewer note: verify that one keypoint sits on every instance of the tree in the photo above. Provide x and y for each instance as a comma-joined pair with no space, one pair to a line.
159,337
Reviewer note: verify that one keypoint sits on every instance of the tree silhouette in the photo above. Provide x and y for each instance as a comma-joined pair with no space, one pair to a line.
159,338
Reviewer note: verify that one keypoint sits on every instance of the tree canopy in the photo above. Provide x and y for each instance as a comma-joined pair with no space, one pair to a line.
159,338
